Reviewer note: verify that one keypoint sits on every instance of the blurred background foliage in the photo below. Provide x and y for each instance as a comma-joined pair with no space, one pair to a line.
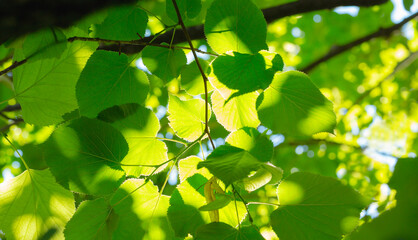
374,88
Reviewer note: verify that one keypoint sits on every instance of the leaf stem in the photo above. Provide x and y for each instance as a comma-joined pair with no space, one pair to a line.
205,79
18,153
245,204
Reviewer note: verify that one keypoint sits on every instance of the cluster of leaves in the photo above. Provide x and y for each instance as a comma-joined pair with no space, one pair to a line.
100,170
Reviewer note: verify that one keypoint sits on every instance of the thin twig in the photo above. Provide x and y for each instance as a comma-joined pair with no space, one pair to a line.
337,50
205,79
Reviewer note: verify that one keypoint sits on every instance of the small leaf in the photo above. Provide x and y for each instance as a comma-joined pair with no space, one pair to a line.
294,105
33,203
85,156
221,201
122,23
242,72
165,63
188,9
252,141
408,4
230,163
238,112
267,174
107,80
316,207
187,118
183,212
235,25
188,168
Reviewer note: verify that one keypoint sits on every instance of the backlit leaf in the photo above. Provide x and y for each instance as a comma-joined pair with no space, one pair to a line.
294,105
32,204
187,118
45,100
235,25
85,156
188,9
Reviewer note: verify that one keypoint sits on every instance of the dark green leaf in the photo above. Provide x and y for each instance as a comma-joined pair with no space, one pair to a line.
230,163
315,207
221,201
242,72
220,230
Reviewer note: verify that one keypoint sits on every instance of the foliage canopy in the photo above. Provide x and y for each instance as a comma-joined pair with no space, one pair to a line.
212,119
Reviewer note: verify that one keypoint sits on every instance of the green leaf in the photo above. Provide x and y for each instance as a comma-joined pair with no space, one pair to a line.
238,112
243,72
36,87
107,80
408,4
220,230
252,141
315,207
139,126
33,203
122,23
48,43
267,174
191,78
137,203
188,9
183,212
294,105
85,156
230,164
6,91
187,118
188,168
235,25
165,63
140,197
90,221
221,201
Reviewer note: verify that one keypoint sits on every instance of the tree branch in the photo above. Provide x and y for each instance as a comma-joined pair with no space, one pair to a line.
12,108
21,17
270,14
335,51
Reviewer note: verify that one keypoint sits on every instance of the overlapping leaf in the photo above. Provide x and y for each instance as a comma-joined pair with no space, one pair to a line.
164,63
139,126
107,80
44,98
188,9
220,230
85,156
